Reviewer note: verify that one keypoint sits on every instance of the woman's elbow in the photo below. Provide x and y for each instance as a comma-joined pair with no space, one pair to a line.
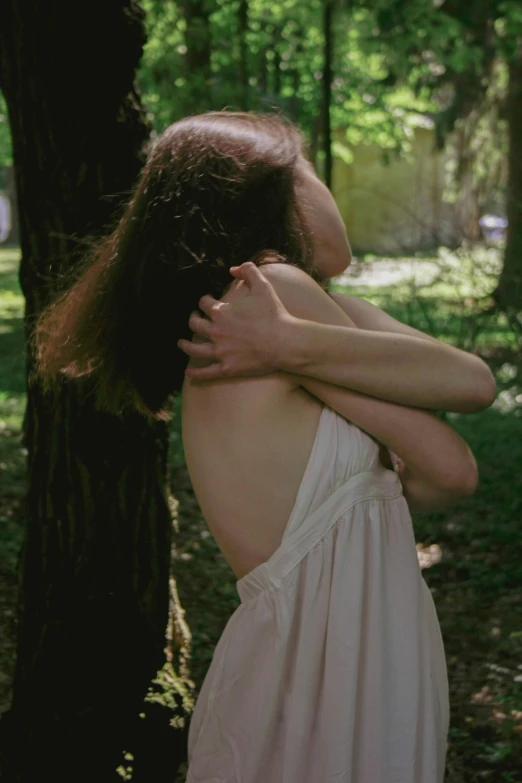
469,483
485,388
462,483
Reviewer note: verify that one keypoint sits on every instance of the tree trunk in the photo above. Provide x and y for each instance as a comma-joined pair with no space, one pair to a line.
508,294
276,81
315,134
242,29
295,74
94,571
198,40
263,70
327,90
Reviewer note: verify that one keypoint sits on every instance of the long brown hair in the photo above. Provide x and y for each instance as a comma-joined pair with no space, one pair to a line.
217,190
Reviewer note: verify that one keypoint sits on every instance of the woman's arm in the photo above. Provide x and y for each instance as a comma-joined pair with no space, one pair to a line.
439,467
396,366
268,324
368,316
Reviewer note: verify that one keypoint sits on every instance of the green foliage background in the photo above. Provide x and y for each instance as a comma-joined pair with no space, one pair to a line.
6,154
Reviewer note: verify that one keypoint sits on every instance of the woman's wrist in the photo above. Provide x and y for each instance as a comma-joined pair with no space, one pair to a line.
301,346
285,349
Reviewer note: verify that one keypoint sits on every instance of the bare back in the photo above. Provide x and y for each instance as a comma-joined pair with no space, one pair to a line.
247,442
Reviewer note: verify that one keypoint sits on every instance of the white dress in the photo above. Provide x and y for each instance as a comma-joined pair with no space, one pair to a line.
332,669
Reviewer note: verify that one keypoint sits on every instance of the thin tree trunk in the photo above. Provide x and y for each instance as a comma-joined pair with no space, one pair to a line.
242,25
263,71
508,294
294,99
314,140
277,61
265,26
327,89
198,40
95,565
296,80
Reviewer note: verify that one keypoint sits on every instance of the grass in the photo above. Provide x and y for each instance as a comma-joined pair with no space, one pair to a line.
477,584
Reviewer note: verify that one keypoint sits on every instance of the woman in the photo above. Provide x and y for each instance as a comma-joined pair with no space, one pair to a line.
332,668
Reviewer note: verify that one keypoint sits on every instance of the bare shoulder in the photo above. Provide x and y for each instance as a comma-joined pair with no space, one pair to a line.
302,296
288,276
285,278
299,293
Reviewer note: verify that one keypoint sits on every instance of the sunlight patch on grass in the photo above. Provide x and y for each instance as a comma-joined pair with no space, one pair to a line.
9,258
12,453
453,274
11,409
454,305
11,303
11,297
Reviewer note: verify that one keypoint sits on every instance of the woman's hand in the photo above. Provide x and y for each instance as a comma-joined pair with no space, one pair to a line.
287,322
242,332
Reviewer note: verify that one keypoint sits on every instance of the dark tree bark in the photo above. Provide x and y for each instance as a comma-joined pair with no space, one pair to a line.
198,40
276,80
315,136
242,29
293,106
94,570
508,293
262,67
295,76
263,71
327,89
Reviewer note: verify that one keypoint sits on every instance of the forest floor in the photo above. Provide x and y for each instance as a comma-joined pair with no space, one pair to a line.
470,553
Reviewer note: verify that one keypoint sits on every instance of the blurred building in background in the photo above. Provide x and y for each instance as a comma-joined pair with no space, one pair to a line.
402,206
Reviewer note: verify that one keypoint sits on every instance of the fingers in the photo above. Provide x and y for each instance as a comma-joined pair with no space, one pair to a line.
209,305
250,273
200,325
198,350
210,373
